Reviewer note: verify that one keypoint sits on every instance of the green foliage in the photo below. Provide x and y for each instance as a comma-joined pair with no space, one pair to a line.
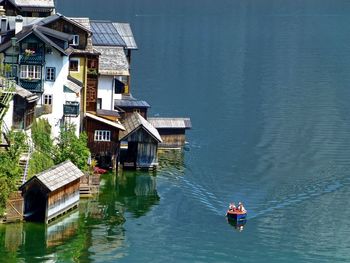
72,147
10,171
41,136
39,162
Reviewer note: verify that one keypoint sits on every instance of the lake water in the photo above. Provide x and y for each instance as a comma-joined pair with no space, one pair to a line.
266,84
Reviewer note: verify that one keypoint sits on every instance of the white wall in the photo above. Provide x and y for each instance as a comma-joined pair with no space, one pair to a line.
105,91
61,63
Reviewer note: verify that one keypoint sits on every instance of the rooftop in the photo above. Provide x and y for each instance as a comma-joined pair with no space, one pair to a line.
134,122
130,102
105,34
58,176
112,61
174,123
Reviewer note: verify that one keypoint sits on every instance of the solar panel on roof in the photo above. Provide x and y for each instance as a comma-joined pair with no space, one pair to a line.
104,33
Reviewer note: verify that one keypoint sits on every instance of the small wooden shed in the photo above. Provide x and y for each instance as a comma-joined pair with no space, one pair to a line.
139,143
51,193
172,130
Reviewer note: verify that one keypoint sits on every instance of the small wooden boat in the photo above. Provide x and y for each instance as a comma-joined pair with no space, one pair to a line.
236,215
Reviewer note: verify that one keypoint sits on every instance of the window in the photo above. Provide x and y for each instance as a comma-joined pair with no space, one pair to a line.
74,65
137,110
47,99
30,72
50,74
102,136
75,41
119,87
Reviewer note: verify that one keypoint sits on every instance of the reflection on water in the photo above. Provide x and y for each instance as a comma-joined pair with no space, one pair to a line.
238,225
136,191
96,228
61,230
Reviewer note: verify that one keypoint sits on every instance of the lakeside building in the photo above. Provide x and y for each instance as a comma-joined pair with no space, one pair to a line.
52,192
32,8
78,71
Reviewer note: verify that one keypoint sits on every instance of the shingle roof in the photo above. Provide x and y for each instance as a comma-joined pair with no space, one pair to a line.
58,176
104,33
72,86
34,3
112,61
130,102
125,32
136,121
174,123
26,94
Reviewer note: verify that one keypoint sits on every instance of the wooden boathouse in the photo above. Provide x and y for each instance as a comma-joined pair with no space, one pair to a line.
172,130
51,193
139,143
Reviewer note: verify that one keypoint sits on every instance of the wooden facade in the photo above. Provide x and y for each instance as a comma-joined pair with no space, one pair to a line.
67,26
172,130
141,151
139,143
23,113
105,152
51,193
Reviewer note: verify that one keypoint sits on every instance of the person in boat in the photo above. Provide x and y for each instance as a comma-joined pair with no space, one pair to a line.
241,207
232,207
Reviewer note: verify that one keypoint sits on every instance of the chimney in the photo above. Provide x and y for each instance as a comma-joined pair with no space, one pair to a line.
3,24
2,10
18,24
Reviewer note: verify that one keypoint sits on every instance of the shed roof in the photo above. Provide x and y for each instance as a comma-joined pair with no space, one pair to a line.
105,34
125,32
136,121
73,86
58,176
112,61
130,102
26,94
105,121
172,123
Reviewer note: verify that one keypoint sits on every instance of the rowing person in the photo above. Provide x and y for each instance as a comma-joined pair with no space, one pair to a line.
241,207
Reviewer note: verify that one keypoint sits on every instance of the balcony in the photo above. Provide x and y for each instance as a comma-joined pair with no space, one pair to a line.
71,109
31,85
33,58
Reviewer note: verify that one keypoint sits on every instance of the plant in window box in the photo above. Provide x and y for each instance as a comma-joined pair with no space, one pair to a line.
92,72
29,52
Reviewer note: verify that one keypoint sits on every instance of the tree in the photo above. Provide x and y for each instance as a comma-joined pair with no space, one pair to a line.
72,147
41,159
10,171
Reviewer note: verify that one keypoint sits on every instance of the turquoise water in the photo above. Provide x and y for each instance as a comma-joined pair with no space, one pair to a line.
266,84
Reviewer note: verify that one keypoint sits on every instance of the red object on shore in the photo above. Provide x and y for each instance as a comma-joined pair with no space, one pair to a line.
99,170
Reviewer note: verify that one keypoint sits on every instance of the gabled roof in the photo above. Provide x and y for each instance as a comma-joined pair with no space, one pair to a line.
105,121
43,34
128,101
104,33
57,176
112,61
125,32
50,19
34,3
173,123
135,122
